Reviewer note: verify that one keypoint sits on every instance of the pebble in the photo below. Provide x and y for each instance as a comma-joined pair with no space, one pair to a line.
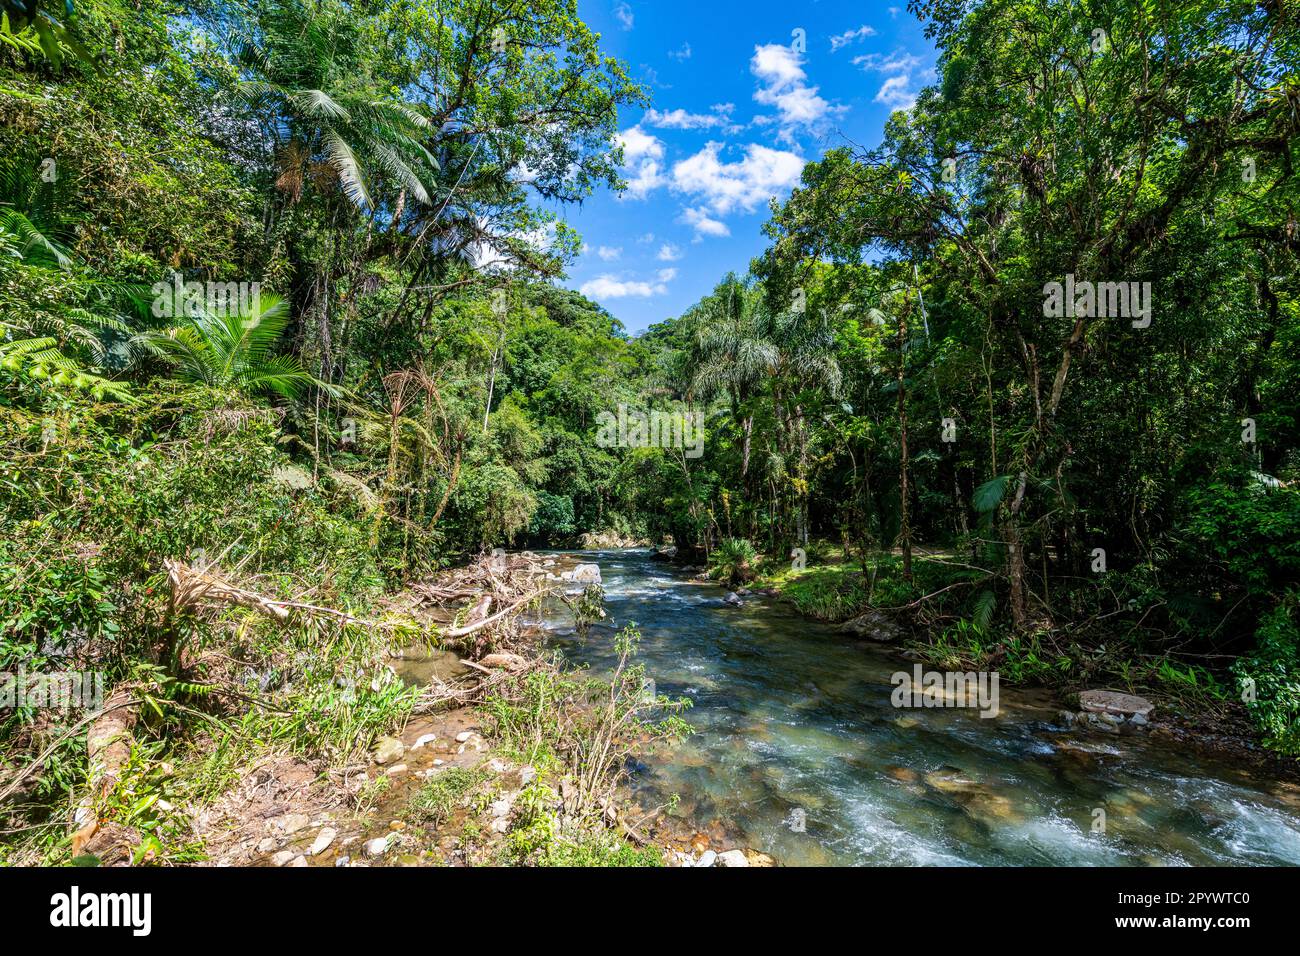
377,846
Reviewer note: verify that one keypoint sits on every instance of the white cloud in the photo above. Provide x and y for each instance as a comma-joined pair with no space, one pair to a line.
680,119
897,92
779,70
904,73
642,161
669,252
725,187
896,62
624,14
609,253
703,223
851,36
684,53
612,287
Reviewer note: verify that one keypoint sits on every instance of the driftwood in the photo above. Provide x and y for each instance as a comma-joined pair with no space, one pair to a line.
195,586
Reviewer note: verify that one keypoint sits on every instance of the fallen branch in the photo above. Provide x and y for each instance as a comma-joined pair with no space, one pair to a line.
504,612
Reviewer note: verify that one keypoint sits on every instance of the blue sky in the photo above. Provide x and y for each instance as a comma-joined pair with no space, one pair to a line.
737,110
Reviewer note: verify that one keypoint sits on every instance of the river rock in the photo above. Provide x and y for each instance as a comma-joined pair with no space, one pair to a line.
377,847
298,860
873,625
267,845
1112,702
733,599
322,841
422,740
504,661
707,858
759,859
388,749
283,857
293,822
463,736
733,858
583,574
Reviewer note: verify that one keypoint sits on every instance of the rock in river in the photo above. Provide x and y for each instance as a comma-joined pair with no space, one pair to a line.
583,574
733,858
1111,702
873,625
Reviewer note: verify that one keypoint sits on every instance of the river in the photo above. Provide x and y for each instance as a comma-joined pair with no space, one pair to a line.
800,753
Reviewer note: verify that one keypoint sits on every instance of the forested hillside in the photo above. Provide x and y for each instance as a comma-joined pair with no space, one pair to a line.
282,290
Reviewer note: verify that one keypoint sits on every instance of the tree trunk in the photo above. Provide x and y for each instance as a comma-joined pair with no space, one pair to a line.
904,515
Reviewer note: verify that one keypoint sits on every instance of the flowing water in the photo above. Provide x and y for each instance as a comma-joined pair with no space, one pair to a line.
799,752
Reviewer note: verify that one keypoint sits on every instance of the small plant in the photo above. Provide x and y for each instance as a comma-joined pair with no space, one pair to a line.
589,608
439,797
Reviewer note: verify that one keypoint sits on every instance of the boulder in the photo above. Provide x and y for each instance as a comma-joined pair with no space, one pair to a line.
1112,702
873,625
583,574
733,599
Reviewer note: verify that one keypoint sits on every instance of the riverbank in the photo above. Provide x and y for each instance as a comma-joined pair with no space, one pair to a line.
1195,708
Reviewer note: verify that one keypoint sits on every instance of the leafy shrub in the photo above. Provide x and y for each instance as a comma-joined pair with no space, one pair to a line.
1270,678
733,561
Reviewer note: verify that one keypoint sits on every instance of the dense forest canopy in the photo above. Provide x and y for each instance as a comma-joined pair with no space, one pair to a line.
281,280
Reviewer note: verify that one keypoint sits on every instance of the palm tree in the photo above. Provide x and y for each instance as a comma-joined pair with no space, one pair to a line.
305,80
730,353
232,349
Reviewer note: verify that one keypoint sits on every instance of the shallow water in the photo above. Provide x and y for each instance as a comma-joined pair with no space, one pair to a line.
799,752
